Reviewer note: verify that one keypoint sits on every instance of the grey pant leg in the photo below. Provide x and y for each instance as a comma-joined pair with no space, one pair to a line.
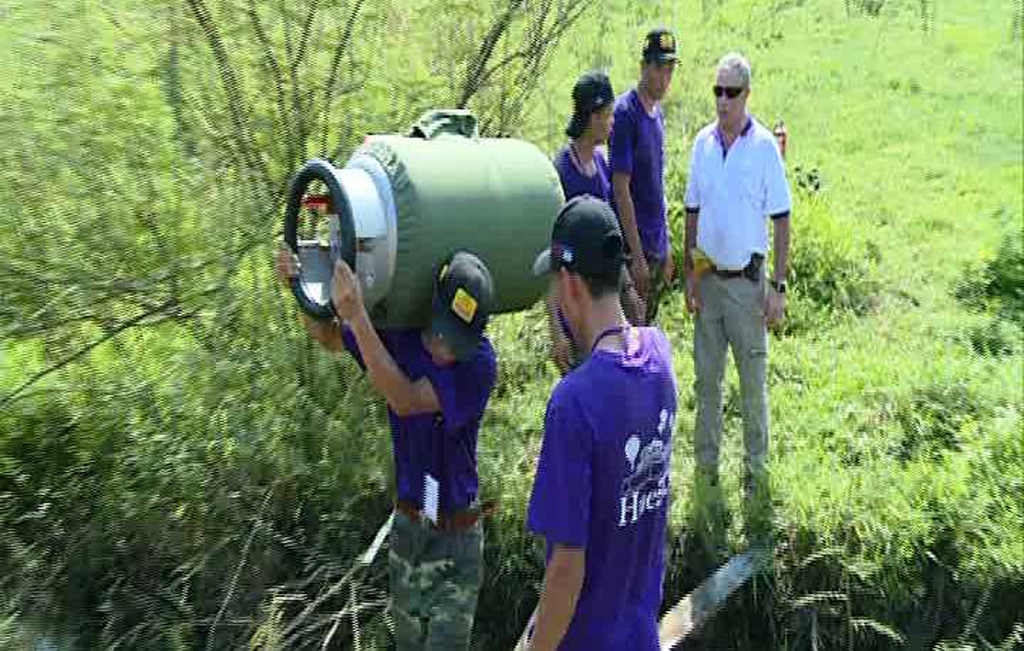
746,330
709,351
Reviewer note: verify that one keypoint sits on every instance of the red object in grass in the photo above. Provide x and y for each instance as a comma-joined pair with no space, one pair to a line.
781,135
318,202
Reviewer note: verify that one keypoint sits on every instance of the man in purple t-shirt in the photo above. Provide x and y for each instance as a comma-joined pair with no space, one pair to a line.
600,497
638,167
437,383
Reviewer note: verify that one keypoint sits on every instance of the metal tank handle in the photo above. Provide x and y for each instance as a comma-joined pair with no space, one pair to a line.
343,240
432,124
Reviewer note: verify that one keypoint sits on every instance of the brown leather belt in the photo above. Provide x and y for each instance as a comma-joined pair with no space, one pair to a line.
752,271
726,273
448,521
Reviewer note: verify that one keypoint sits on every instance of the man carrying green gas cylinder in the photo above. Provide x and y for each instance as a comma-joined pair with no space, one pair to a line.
413,281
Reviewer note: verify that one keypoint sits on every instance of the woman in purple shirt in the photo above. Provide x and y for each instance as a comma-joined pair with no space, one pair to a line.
583,169
582,165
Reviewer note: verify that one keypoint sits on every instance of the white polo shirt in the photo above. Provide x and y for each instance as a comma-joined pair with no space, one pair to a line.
735,191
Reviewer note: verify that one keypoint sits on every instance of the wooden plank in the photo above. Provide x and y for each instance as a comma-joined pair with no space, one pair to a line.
690,614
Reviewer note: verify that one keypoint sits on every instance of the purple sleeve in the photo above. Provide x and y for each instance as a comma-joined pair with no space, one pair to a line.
349,339
464,389
561,162
622,141
560,503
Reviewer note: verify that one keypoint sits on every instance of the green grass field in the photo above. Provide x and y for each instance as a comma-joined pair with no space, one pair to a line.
177,480
896,405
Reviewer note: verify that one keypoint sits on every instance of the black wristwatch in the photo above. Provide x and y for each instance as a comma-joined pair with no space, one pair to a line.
779,286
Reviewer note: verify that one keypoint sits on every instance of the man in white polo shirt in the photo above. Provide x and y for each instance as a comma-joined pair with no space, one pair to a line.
737,184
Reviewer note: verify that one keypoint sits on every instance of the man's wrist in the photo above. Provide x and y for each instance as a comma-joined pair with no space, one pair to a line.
779,286
359,321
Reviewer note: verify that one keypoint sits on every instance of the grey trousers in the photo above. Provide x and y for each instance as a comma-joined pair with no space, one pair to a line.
731,315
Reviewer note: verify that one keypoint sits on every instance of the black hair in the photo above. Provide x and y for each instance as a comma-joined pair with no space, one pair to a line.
603,285
591,82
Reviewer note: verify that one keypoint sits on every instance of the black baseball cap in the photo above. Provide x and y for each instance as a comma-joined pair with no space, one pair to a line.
463,300
585,240
592,92
660,46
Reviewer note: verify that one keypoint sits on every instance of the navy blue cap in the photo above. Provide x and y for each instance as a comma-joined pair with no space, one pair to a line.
586,240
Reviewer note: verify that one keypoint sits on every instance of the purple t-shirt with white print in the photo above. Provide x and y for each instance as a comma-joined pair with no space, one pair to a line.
576,183
603,484
444,443
637,147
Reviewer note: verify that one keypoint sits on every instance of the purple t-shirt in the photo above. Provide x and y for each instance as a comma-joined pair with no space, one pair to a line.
603,484
637,147
444,443
575,183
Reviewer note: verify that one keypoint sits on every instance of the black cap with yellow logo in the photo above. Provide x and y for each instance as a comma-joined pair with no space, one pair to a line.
463,299
660,46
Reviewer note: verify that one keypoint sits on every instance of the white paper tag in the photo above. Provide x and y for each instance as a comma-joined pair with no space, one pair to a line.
431,494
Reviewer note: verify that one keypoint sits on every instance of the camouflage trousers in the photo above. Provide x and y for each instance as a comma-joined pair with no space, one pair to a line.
434,577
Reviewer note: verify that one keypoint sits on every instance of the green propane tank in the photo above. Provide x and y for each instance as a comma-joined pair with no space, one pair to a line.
402,203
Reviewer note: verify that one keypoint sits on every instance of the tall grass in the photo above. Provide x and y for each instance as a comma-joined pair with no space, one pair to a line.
182,491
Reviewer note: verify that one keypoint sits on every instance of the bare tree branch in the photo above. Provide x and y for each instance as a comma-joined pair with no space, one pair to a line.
332,76
471,84
304,37
275,72
237,106
10,397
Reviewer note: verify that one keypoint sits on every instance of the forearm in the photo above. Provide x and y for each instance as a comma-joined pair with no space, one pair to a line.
563,581
691,240
780,247
627,214
381,368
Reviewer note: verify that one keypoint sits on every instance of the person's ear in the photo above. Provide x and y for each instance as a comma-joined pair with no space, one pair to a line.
565,286
577,287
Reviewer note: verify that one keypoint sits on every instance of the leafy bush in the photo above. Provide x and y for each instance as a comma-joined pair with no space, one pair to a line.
830,267
999,283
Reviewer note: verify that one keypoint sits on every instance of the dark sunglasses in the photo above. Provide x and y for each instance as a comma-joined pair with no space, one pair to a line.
732,92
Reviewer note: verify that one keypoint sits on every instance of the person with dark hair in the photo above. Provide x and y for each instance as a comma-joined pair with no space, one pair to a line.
600,495
581,164
437,382
637,147
583,170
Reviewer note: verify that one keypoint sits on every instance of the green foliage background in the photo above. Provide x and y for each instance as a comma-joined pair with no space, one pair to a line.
180,467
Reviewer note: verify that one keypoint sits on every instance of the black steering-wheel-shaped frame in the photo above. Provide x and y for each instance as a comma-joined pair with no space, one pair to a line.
342,241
